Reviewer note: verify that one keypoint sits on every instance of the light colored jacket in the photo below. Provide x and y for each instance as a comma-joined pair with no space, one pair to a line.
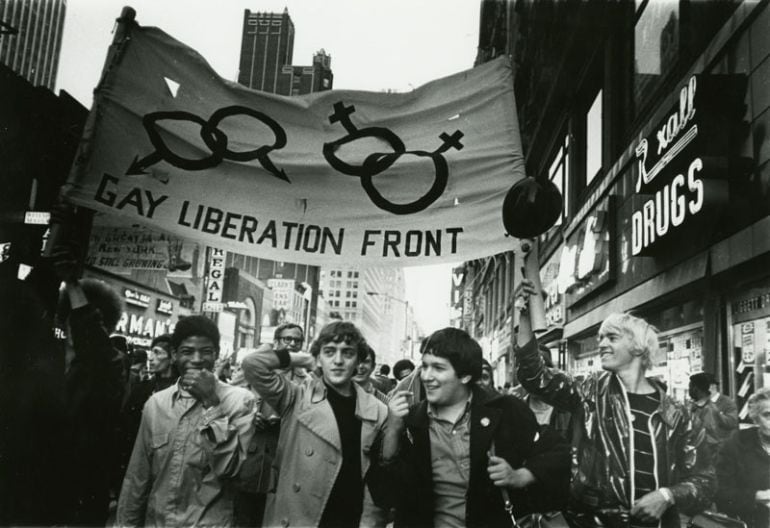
309,454
183,459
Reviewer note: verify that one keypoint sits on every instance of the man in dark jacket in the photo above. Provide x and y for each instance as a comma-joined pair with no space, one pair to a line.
637,460
450,460
89,310
164,375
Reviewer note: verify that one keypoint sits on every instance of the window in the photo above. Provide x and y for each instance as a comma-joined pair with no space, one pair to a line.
347,293
347,304
656,45
558,173
353,304
355,274
350,274
593,133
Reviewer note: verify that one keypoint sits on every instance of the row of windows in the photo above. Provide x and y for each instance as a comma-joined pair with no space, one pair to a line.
262,22
339,273
338,284
338,293
348,304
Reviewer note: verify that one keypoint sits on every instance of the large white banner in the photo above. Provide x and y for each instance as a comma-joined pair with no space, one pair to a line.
327,178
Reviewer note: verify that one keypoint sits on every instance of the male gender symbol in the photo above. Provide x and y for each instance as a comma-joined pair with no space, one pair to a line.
213,137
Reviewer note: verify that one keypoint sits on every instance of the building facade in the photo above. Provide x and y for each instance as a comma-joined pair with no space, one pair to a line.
373,299
267,48
267,45
651,118
30,38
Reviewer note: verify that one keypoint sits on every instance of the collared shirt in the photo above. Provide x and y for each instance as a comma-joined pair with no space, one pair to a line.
181,457
450,447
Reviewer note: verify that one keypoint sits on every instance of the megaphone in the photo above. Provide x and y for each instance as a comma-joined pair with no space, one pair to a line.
531,208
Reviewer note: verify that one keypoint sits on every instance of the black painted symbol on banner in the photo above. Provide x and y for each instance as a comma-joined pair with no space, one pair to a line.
377,163
215,140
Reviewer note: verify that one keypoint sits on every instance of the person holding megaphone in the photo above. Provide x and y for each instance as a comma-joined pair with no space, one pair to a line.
638,461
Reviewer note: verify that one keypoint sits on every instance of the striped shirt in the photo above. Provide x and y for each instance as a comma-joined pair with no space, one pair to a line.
642,407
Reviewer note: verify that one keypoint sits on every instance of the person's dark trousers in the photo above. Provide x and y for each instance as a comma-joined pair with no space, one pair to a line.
249,509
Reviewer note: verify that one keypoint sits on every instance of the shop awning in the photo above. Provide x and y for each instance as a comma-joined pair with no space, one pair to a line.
681,275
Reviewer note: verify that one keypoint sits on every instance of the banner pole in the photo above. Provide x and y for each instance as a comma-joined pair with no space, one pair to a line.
531,271
127,19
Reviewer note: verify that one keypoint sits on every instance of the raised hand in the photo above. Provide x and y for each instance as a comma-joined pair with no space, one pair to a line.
201,384
398,408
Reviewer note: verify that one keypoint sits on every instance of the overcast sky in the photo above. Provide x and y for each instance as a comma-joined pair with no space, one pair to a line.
375,45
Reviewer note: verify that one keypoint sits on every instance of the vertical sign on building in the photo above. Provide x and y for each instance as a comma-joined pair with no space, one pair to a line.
215,278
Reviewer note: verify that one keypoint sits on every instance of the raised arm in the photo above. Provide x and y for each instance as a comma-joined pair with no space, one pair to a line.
260,368
226,432
553,386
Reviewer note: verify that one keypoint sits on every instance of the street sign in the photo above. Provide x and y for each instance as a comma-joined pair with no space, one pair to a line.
37,217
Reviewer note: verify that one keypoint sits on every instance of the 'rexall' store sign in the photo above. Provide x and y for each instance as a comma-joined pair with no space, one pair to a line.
683,164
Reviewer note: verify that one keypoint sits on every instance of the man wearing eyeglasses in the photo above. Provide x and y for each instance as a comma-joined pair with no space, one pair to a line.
191,440
254,482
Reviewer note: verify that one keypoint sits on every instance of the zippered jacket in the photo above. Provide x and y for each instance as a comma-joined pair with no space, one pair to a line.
602,472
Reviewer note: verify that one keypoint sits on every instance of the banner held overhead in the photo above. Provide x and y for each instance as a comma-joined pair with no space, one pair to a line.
331,177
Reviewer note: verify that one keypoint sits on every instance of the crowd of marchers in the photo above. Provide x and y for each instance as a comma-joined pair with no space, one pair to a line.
293,438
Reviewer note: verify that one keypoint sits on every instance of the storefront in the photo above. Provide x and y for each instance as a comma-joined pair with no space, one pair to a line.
687,230
748,337
147,313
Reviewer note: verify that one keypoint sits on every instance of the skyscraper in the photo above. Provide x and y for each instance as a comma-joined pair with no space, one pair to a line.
267,47
30,38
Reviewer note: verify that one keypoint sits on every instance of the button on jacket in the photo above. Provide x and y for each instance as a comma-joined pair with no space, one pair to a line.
309,455
184,458
498,422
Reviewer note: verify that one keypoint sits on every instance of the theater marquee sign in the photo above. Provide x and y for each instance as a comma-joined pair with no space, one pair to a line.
683,163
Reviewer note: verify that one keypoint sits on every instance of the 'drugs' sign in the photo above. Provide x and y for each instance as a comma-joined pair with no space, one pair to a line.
683,163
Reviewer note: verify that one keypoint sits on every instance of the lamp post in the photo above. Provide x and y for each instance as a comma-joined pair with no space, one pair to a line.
406,314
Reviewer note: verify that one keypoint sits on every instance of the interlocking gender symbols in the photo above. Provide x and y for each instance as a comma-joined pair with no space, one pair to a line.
372,165
377,163
215,140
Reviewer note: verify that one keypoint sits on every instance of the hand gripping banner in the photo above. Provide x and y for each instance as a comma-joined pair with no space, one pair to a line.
332,177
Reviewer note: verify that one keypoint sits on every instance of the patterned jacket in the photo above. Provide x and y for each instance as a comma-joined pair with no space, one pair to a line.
602,475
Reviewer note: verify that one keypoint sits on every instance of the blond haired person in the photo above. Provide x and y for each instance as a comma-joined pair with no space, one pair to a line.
636,460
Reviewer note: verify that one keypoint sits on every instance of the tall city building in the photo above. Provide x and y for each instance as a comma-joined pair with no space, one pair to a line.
30,38
373,299
267,47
